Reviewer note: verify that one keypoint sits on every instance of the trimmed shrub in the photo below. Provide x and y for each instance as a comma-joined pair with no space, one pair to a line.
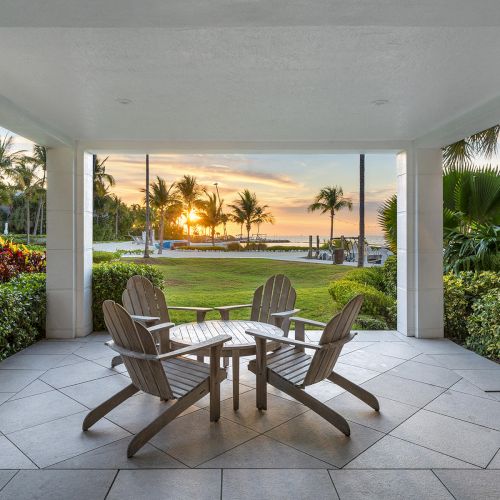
202,248
234,246
461,291
484,325
110,279
101,256
23,305
390,276
368,323
367,276
376,303
17,258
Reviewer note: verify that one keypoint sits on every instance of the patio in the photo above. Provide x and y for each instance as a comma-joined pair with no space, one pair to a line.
437,435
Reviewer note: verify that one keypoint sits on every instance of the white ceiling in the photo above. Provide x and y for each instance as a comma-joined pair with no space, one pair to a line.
247,71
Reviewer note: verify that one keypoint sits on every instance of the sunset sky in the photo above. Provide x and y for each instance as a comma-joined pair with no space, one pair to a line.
287,183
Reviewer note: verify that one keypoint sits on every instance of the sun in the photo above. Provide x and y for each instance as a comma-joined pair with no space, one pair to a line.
193,216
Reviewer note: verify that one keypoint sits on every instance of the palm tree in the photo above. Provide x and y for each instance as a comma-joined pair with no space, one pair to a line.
190,192
361,242
462,153
210,213
7,156
247,211
40,158
102,180
330,199
161,198
387,218
238,217
261,217
24,174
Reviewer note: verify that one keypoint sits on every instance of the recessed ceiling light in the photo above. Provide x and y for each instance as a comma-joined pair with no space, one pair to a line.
123,100
379,102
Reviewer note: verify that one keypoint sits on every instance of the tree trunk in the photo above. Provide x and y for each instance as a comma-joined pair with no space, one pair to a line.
249,227
361,242
146,243
27,220
213,235
116,222
162,226
332,214
37,218
41,218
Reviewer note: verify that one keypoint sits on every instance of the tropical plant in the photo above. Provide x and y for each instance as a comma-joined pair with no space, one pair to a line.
238,217
330,200
39,158
161,198
247,211
388,221
463,153
7,156
25,176
262,217
102,180
210,213
190,192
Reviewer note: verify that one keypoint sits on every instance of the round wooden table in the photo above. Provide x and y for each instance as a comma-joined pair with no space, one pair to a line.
240,344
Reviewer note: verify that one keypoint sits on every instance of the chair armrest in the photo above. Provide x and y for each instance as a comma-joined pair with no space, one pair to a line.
283,340
285,314
306,321
220,339
230,308
186,308
160,327
144,319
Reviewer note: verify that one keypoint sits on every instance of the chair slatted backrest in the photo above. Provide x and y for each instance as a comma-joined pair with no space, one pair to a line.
147,375
142,298
336,329
276,295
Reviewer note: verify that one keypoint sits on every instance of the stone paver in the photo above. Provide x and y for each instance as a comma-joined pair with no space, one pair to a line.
436,429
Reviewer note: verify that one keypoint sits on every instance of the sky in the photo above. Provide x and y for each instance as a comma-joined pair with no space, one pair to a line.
287,183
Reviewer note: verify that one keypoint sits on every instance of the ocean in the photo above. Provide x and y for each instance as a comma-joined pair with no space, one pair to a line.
303,240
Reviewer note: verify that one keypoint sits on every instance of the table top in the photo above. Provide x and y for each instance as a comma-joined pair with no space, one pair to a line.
192,333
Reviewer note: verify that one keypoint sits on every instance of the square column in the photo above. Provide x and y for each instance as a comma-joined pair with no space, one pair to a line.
69,243
420,243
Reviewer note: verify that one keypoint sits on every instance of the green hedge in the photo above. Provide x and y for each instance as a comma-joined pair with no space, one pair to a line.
376,303
23,305
461,291
110,279
366,276
484,325
99,256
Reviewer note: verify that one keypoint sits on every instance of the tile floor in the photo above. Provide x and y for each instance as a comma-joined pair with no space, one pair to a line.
437,435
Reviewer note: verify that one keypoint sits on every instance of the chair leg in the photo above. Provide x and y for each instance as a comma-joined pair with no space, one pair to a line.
236,379
316,406
355,390
215,383
261,374
143,436
104,408
117,360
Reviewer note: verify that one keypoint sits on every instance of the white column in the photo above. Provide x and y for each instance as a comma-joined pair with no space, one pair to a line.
69,243
420,243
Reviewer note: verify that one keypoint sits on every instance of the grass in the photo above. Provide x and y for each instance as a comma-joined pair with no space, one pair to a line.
218,282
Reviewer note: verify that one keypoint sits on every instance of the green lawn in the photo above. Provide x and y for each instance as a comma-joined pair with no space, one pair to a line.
217,282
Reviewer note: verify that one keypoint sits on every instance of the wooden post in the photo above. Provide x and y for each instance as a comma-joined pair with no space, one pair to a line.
310,252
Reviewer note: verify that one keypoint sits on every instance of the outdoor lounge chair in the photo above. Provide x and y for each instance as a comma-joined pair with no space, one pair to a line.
272,303
290,369
147,304
171,376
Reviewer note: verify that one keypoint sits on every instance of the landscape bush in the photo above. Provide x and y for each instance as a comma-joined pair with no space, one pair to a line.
23,305
372,276
483,325
461,291
390,276
17,258
101,256
376,303
110,279
202,248
234,246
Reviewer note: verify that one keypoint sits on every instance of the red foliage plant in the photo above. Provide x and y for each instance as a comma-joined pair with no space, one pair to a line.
16,259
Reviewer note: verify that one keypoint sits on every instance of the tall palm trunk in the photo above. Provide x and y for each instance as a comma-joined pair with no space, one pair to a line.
213,235
40,232
332,215
249,228
162,227
116,222
27,219
361,243
37,217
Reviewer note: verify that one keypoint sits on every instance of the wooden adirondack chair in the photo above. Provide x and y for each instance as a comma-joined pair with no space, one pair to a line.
290,369
147,304
170,376
272,303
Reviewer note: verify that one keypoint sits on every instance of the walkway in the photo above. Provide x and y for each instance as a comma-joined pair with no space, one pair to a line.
437,435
